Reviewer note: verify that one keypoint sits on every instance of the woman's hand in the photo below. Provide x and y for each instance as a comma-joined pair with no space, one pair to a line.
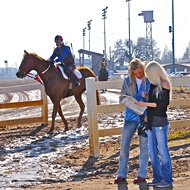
144,94
142,104
146,104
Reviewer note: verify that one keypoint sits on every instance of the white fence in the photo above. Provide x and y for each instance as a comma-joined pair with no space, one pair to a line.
20,88
93,109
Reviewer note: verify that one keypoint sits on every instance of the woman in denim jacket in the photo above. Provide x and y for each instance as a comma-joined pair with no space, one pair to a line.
158,101
135,85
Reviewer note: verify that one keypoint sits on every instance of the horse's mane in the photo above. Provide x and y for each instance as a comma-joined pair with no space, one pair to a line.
38,57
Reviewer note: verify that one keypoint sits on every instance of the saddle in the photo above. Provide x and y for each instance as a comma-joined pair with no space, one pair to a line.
60,67
76,72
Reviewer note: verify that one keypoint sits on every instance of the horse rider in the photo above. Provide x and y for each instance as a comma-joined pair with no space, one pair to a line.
64,55
103,72
103,63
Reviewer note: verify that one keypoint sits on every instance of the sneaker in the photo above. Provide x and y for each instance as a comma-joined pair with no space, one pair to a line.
163,184
139,180
119,180
153,183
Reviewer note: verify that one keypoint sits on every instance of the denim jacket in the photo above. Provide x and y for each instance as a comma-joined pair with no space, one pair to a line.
130,115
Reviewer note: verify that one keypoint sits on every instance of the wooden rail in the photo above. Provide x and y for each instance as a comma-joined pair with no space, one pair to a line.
21,88
93,109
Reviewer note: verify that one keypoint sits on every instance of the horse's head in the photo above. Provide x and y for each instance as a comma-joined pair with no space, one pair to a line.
26,65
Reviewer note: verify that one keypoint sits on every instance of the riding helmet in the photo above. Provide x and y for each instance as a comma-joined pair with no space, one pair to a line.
58,38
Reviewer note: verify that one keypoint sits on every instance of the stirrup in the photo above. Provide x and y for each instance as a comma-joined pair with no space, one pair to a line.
76,83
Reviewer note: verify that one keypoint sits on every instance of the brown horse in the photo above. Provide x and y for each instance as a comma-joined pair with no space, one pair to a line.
56,86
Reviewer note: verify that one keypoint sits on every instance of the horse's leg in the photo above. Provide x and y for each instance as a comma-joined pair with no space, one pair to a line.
56,104
78,98
63,118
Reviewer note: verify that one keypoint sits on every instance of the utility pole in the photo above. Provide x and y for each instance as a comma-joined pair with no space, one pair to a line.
104,11
173,44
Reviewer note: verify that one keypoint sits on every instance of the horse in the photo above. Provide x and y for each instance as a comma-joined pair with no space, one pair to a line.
56,86
103,75
103,72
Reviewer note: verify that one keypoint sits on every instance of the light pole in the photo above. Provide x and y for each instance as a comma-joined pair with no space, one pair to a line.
84,34
129,29
104,11
89,28
6,64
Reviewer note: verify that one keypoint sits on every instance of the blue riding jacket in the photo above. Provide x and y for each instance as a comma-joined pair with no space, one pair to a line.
63,55
130,114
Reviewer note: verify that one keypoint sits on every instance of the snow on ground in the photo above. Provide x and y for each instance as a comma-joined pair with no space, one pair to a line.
31,160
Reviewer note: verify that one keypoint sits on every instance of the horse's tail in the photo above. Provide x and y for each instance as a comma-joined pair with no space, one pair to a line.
98,98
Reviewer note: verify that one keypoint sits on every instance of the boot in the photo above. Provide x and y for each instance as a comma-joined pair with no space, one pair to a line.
76,83
74,80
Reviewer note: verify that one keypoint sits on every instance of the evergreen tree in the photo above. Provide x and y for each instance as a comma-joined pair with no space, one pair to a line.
166,56
186,55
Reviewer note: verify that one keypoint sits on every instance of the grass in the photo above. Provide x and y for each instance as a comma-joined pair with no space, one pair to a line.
180,134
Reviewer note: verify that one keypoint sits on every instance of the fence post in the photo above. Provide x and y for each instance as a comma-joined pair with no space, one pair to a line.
92,117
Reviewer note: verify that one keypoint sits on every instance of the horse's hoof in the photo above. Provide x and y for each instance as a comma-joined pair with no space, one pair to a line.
50,132
66,129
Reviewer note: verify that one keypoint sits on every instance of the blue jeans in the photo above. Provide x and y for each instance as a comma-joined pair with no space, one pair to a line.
158,145
127,134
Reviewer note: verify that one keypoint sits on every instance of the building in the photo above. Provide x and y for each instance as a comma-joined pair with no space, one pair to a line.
94,59
8,73
179,67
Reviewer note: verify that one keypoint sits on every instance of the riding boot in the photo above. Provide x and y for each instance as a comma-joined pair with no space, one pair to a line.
74,80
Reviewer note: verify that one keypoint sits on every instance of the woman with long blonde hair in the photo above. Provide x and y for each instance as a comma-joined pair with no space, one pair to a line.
135,63
158,124
135,85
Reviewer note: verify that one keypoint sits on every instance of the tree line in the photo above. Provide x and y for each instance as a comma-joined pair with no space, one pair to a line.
140,50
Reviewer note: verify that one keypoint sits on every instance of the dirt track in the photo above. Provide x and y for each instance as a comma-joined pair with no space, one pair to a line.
32,160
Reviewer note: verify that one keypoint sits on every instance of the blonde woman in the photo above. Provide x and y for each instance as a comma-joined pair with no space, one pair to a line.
158,101
135,85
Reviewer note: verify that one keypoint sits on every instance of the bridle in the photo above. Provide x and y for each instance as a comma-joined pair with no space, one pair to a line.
37,76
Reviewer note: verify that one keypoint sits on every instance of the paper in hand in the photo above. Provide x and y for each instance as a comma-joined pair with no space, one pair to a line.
129,102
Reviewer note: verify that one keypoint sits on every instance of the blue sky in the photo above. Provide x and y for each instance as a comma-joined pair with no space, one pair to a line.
32,25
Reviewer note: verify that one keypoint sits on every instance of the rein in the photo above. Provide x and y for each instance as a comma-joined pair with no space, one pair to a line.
45,70
37,76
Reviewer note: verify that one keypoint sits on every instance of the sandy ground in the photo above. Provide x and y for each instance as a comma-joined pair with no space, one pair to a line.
94,173
63,162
